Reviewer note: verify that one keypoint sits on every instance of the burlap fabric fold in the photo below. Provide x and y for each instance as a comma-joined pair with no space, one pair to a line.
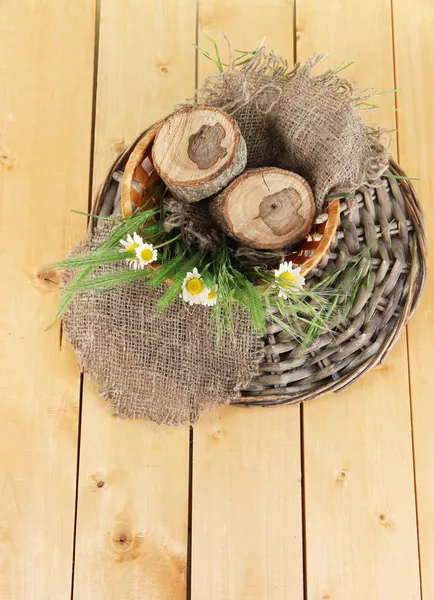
163,366
301,122
289,118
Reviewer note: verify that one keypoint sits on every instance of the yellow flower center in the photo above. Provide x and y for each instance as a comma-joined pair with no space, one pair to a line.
132,247
146,254
286,279
212,294
194,286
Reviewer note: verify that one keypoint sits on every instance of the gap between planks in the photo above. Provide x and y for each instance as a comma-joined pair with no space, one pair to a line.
89,209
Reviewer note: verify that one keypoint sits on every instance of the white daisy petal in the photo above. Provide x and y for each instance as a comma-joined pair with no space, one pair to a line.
146,254
288,277
194,290
130,244
137,238
210,297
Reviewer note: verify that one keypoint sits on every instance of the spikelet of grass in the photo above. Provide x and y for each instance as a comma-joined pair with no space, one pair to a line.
95,216
390,175
217,59
180,268
112,280
343,65
250,297
92,260
371,105
245,56
98,256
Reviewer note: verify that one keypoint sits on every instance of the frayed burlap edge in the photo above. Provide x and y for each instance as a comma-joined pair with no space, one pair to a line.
85,330
269,65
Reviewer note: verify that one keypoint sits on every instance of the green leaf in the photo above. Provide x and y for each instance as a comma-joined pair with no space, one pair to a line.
170,295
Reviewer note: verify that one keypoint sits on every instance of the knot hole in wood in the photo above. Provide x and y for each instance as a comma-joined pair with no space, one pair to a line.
204,146
281,211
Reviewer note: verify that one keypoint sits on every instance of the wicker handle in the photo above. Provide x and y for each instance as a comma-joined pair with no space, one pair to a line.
318,248
135,171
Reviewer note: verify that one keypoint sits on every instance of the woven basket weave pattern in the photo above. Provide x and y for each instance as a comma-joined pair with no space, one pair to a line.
389,221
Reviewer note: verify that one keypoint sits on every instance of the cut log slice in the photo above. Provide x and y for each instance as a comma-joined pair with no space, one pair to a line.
198,151
266,208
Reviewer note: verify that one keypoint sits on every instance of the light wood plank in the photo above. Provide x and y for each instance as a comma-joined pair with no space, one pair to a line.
246,530
132,531
414,24
361,535
46,69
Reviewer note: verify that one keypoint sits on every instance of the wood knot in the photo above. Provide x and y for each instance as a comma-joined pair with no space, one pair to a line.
97,480
342,475
118,146
217,433
6,158
281,211
383,518
204,146
162,66
124,546
47,280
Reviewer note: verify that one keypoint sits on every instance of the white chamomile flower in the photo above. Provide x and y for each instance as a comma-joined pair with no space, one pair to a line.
194,290
130,245
210,298
146,253
287,277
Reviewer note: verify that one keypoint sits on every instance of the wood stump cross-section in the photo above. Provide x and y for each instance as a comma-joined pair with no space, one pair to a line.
266,208
197,151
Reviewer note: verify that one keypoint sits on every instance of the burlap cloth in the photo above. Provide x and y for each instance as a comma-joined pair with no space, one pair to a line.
163,366
301,122
292,119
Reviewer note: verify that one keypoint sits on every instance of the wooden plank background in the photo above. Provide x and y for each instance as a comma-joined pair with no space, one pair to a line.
358,453
330,501
45,128
246,531
414,59
131,537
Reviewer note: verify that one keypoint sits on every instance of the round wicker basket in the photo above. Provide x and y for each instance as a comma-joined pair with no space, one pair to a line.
387,219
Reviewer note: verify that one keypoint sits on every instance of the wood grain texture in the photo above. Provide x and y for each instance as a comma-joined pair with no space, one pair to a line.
361,539
157,39
198,151
245,23
44,163
414,65
266,208
132,520
132,530
246,530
